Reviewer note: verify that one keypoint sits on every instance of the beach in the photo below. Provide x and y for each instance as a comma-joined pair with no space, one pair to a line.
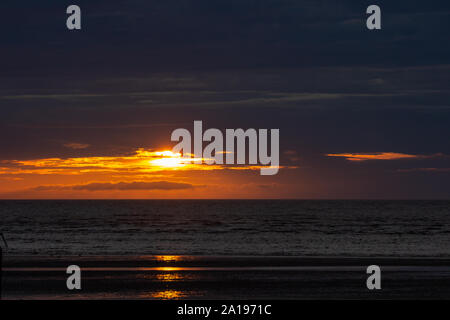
224,277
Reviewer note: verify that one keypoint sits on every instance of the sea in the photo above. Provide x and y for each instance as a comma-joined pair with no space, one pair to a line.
227,227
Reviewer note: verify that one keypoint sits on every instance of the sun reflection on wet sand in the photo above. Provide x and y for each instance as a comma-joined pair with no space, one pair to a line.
168,258
168,269
166,277
167,294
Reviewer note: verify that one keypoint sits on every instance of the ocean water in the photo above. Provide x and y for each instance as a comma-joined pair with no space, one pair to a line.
227,227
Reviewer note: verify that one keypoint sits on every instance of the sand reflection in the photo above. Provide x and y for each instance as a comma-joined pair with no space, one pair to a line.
168,294
167,277
168,258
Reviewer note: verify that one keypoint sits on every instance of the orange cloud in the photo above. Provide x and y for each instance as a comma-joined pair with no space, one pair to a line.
136,185
142,162
128,176
380,156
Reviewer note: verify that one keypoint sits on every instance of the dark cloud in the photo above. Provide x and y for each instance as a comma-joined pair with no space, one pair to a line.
437,170
139,69
142,36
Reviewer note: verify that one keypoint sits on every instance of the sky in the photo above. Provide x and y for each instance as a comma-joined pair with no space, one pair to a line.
362,114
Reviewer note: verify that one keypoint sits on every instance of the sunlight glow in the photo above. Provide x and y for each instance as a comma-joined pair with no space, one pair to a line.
141,162
169,159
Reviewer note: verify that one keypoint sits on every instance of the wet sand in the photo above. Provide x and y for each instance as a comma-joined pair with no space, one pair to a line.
224,277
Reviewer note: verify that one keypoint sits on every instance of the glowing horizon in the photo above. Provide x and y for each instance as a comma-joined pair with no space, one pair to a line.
161,172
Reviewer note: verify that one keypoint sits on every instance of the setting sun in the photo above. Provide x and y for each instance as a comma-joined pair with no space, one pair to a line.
169,159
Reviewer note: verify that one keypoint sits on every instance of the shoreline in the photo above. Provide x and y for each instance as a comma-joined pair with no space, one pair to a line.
197,260
212,277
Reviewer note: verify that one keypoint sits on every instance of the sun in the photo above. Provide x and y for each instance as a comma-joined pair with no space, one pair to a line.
168,160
